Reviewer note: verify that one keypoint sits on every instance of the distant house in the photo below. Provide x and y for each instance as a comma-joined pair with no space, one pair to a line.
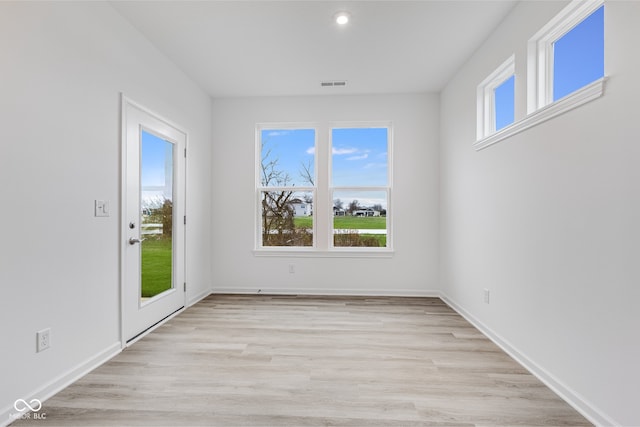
301,208
366,212
338,211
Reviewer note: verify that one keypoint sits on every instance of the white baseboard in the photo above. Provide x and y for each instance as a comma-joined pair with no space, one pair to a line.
48,390
589,411
329,292
199,297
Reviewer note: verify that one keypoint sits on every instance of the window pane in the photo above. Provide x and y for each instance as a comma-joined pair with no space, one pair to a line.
287,157
359,157
504,103
287,218
578,56
359,218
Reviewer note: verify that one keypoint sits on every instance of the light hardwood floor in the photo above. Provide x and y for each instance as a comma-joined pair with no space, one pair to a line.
296,361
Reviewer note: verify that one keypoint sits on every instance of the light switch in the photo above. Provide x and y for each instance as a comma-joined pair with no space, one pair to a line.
102,208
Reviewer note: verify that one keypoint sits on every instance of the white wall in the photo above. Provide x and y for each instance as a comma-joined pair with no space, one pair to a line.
413,268
62,68
548,220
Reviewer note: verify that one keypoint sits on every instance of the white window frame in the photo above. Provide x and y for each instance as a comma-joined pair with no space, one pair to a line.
387,189
486,97
540,53
323,202
298,189
540,104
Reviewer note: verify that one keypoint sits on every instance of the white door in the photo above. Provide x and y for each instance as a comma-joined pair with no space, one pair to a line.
153,198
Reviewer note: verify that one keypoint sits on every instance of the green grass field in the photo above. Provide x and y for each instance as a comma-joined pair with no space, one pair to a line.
347,222
156,266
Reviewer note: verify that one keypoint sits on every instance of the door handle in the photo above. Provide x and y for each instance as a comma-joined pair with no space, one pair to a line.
133,240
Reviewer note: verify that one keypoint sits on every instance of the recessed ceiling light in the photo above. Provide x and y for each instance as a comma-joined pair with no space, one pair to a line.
342,18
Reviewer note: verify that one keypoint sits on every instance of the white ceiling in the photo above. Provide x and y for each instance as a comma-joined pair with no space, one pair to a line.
260,48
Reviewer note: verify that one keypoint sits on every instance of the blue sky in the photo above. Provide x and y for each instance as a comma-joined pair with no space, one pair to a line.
291,148
504,100
359,157
155,153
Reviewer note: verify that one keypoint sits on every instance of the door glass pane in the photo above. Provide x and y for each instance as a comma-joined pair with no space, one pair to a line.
156,201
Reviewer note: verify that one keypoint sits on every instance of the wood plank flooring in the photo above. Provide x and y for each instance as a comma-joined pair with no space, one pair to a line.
263,360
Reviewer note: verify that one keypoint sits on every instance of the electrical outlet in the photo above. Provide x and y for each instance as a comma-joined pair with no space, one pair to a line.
292,268
43,340
486,296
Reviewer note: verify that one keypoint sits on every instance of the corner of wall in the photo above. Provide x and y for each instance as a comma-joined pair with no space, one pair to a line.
578,402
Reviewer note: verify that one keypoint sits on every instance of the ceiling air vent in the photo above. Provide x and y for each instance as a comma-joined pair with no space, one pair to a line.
333,83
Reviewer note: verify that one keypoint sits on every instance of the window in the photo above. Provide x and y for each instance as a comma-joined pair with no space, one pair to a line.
360,186
578,56
341,207
286,187
567,54
565,69
496,99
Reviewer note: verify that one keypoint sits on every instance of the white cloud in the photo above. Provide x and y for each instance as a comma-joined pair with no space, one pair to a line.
342,151
278,132
311,150
374,165
362,157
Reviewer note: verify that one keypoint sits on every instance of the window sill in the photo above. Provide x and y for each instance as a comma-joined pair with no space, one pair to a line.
581,96
334,253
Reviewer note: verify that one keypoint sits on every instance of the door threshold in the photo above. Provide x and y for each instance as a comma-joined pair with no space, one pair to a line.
152,327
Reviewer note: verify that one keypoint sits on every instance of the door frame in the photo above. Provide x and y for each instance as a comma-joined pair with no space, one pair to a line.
124,233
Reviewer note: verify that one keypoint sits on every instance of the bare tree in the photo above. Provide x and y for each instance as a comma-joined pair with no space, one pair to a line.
353,206
277,213
338,204
271,176
167,218
278,228
306,172
308,198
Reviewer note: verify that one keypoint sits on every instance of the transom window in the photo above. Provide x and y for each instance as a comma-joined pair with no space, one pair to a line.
565,69
567,54
578,56
496,99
